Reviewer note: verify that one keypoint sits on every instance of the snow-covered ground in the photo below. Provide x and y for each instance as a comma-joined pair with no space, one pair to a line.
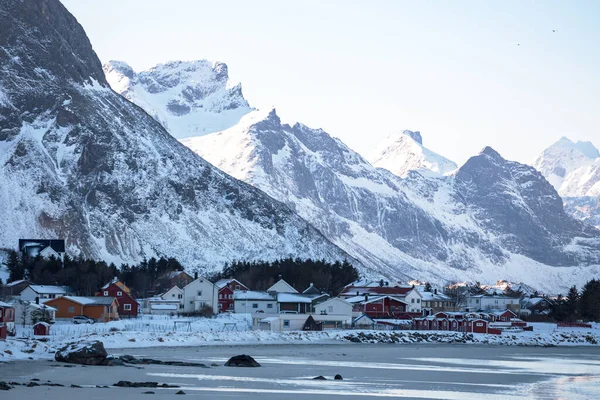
160,331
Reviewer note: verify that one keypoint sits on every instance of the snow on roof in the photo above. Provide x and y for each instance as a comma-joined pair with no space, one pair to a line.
163,307
361,299
15,283
42,323
392,290
251,295
431,296
293,298
394,321
87,301
3,304
48,289
113,280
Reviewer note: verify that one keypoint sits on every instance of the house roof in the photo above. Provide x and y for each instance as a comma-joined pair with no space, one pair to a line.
251,295
335,299
270,319
6,305
432,296
293,298
361,299
311,290
224,282
284,287
48,289
15,283
365,316
90,301
382,290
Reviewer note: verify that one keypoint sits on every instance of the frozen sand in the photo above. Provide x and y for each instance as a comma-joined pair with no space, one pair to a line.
369,370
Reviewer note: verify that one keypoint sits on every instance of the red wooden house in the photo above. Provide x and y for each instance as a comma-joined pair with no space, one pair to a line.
226,289
381,307
7,320
128,307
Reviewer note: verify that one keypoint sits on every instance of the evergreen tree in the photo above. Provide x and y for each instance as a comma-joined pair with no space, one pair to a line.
572,303
589,302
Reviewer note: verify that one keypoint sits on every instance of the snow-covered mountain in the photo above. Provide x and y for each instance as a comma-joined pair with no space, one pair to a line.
404,152
492,218
574,170
188,98
79,161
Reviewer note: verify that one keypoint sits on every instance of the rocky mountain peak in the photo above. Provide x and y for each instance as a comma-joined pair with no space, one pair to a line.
415,135
404,152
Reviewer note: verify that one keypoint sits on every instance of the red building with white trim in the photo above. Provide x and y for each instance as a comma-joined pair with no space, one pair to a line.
226,289
7,320
128,306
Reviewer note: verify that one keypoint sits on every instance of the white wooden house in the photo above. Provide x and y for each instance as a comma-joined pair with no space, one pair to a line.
199,293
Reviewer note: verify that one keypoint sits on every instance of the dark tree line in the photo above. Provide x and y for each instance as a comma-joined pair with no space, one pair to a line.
86,276
584,305
260,275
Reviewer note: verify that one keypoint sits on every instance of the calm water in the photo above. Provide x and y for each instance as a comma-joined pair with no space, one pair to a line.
369,371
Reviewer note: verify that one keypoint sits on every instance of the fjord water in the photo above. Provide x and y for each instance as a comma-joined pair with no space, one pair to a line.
369,371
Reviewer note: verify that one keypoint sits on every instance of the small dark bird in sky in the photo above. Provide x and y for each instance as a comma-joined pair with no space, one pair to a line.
553,30
518,44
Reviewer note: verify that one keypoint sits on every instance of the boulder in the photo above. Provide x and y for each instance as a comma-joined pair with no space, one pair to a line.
85,353
242,361
338,377
320,378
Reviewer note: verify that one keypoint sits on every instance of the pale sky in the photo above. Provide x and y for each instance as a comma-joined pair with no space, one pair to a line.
467,74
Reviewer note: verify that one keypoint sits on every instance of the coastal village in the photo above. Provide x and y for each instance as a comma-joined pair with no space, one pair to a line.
363,304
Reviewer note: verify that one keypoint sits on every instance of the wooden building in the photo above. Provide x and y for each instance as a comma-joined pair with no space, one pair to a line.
102,309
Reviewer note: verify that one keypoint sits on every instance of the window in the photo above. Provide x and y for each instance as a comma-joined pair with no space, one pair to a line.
286,323
269,305
71,309
191,301
199,292
330,309
412,301
479,324
181,306
173,295
220,296
254,305
106,292
418,301
119,294
237,287
127,307
180,296
220,305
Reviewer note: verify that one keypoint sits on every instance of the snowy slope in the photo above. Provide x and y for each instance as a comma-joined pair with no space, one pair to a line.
574,170
492,219
80,162
404,152
188,98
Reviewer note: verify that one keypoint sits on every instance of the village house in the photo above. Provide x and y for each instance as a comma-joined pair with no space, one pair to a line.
227,287
43,292
198,294
173,278
128,307
169,303
100,308
536,306
482,302
334,311
433,302
7,320
42,247
378,306
13,289
247,301
407,294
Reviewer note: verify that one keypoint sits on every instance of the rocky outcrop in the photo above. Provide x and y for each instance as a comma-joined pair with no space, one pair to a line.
242,361
85,353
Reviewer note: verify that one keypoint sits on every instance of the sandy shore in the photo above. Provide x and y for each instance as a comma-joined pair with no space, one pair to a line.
369,371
